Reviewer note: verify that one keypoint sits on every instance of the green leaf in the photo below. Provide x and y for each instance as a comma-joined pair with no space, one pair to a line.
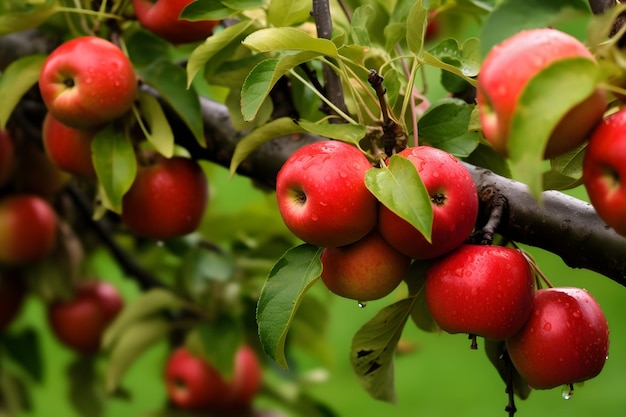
512,16
144,47
446,126
247,144
85,390
23,348
228,331
288,39
147,304
399,187
545,100
115,164
170,81
344,132
309,327
264,76
288,12
360,18
463,60
206,10
27,17
415,27
228,38
160,133
566,170
374,346
131,344
420,314
17,78
485,156
287,283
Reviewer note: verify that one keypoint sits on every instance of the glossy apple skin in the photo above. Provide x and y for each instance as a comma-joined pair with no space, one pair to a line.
455,206
196,385
69,148
509,67
7,157
80,321
161,17
481,290
167,198
365,270
604,171
12,295
322,196
87,82
28,228
564,341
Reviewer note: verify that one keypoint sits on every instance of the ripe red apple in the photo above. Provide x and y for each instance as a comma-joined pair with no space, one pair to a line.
27,229
365,270
480,290
604,171
7,157
80,321
454,201
322,196
69,148
12,294
87,82
564,341
162,18
506,71
194,384
167,198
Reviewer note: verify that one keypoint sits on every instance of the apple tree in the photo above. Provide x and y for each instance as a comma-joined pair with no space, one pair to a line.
406,148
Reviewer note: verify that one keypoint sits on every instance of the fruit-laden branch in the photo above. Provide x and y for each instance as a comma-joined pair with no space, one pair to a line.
561,224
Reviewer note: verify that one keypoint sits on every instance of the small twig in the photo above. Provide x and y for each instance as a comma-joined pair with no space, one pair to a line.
494,206
394,137
510,388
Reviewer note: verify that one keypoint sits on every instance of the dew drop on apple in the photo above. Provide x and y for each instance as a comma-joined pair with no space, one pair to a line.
567,392
314,217
547,326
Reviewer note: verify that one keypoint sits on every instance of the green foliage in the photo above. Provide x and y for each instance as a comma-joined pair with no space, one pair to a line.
15,81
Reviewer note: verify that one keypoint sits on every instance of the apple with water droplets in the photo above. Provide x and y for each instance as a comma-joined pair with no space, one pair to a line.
564,341
87,82
604,171
480,290
322,197
365,270
162,17
454,201
507,70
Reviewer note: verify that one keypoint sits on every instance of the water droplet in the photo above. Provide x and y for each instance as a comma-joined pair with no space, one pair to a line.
547,326
362,304
314,217
160,243
567,392
576,314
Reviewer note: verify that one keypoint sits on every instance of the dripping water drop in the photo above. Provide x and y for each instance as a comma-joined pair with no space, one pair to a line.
362,304
567,392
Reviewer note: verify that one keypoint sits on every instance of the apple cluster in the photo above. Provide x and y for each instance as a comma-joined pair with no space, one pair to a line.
194,384
87,83
553,336
367,248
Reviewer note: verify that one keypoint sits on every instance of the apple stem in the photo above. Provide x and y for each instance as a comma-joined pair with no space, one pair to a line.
541,277
510,390
495,204
474,344
394,138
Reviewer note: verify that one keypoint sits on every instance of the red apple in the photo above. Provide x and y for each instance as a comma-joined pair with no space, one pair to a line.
480,290
162,18
7,157
604,171
69,148
454,201
365,270
322,196
87,82
564,341
27,229
80,321
12,294
507,70
167,198
194,384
